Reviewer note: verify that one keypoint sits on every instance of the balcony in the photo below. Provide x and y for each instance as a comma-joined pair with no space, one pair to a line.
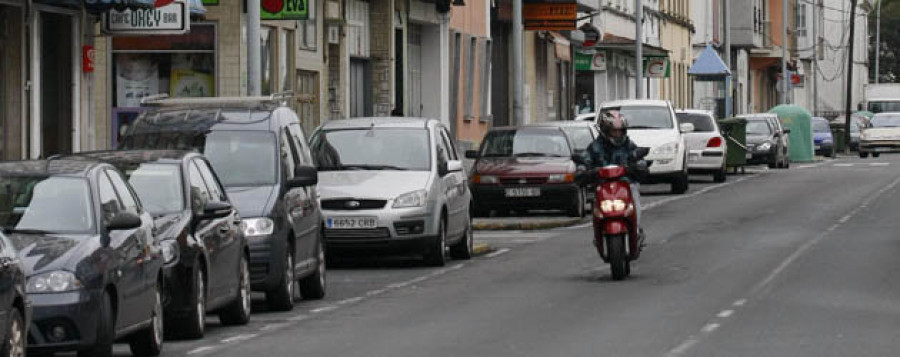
746,25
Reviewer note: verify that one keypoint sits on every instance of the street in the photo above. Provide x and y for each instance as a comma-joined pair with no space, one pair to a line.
772,263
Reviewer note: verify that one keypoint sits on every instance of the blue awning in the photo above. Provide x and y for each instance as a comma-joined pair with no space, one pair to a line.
709,65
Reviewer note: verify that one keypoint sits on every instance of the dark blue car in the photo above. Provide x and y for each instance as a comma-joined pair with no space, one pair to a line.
822,137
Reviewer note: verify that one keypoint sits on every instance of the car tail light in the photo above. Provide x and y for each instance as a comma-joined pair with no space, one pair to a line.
714,142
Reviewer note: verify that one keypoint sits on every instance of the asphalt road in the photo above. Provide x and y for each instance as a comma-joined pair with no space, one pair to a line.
795,262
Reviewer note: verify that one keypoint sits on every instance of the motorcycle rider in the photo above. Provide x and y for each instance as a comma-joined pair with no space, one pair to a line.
613,147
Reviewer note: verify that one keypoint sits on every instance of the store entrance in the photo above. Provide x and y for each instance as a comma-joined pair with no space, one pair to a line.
56,84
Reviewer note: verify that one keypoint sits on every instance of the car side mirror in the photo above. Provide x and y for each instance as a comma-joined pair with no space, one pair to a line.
304,176
124,221
641,152
472,154
454,166
216,209
686,127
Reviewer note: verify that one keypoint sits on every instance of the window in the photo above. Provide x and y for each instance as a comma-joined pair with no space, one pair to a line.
199,192
307,30
375,149
242,158
443,152
55,204
159,186
486,81
302,146
212,183
288,155
801,20
109,203
470,78
449,144
125,195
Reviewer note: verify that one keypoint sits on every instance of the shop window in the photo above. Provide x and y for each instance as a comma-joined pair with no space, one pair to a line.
177,65
307,30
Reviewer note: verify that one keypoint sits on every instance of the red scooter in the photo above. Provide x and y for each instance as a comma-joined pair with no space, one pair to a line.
616,235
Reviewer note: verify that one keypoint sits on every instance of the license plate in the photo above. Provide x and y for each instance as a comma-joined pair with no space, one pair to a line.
523,192
351,222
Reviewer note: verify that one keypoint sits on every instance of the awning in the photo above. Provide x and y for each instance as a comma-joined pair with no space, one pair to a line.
709,66
562,46
616,43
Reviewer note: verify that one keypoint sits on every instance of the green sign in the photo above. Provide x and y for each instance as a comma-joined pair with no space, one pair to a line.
583,61
210,2
657,67
284,10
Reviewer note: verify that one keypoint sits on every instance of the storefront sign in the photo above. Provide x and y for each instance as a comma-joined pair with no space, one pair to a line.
284,9
591,35
167,20
590,61
656,67
87,59
550,16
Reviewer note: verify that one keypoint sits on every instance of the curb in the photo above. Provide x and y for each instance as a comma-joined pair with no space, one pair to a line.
525,225
481,249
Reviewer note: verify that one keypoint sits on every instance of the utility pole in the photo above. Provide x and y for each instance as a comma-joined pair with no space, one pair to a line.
518,72
728,80
254,52
639,48
785,79
851,44
815,36
877,39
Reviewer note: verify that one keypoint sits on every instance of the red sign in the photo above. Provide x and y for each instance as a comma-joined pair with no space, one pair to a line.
87,59
550,16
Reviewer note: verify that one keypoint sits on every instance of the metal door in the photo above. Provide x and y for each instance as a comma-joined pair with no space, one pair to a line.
360,97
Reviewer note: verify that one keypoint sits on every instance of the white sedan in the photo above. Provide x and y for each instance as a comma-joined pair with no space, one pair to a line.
706,145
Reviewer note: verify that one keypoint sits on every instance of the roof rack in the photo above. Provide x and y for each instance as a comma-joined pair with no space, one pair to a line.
163,100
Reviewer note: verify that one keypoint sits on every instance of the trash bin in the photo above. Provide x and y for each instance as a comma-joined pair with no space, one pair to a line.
837,132
735,132
800,140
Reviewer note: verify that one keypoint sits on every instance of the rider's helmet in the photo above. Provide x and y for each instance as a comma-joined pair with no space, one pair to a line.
613,127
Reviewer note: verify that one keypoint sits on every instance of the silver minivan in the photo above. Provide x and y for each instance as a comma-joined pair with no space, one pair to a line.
393,185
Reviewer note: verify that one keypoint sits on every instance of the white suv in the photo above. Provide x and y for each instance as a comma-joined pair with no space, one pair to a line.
652,124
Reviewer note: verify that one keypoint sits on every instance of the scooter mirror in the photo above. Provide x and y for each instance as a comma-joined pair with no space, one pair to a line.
641,152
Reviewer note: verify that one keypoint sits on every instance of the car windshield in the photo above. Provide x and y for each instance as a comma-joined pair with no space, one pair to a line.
509,143
820,126
242,158
645,117
159,186
372,149
52,204
581,137
702,123
758,127
886,121
882,107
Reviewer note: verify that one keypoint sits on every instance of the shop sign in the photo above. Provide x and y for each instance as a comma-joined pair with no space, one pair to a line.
590,61
87,59
284,9
172,19
591,35
550,16
656,67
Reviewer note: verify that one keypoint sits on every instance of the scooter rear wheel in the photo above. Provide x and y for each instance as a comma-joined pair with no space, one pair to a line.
618,263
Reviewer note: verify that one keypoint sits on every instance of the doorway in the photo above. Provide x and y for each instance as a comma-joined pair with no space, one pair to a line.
360,88
415,70
57,81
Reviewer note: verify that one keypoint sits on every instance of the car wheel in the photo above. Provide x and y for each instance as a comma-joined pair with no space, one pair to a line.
721,175
481,212
149,341
238,312
876,154
863,155
15,335
312,287
194,324
436,255
106,322
577,209
681,184
464,249
282,297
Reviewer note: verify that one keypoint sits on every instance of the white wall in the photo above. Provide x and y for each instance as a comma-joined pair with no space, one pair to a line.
436,72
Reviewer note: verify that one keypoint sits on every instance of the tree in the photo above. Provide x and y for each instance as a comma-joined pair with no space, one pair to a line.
890,41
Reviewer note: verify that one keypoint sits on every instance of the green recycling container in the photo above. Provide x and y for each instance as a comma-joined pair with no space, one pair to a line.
735,132
799,121
837,132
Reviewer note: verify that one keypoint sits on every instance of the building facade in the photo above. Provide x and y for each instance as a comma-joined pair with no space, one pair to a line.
675,35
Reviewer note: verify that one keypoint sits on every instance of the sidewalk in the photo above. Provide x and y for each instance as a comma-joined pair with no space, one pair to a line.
526,223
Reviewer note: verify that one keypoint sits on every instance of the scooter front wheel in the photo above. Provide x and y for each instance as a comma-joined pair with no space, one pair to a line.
618,262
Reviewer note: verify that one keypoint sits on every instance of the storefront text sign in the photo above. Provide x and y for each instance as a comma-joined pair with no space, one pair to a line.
87,59
656,67
172,19
550,16
284,10
590,61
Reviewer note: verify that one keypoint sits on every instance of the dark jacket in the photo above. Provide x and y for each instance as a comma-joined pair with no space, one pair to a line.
602,153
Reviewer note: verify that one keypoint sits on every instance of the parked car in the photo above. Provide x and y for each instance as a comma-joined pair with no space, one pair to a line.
15,307
767,144
586,116
882,137
526,168
393,184
652,124
581,133
822,137
706,145
259,152
204,250
94,267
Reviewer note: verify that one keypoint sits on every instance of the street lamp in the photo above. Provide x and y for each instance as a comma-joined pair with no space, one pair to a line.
877,38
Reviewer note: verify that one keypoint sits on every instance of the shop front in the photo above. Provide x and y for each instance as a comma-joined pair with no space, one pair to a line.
175,65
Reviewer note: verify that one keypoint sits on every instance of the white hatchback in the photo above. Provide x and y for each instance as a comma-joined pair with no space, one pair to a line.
652,124
707,148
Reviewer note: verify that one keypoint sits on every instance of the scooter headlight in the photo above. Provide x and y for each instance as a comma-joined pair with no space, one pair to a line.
609,206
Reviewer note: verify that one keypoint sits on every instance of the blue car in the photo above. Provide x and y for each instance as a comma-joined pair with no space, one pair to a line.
822,137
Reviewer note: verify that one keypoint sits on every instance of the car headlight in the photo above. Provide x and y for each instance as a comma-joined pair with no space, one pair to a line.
59,281
486,179
257,227
665,150
411,199
561,178
169,250
764,146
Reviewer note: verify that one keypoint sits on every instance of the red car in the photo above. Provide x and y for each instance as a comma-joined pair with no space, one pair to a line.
526,168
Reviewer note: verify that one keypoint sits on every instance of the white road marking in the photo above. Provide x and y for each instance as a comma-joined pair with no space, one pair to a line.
682,348
740,303
239,338
201,350
709,328
299,318
498,253
725,314
324,309
274,326
350,300
843,165
880,164
375,292
844,219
